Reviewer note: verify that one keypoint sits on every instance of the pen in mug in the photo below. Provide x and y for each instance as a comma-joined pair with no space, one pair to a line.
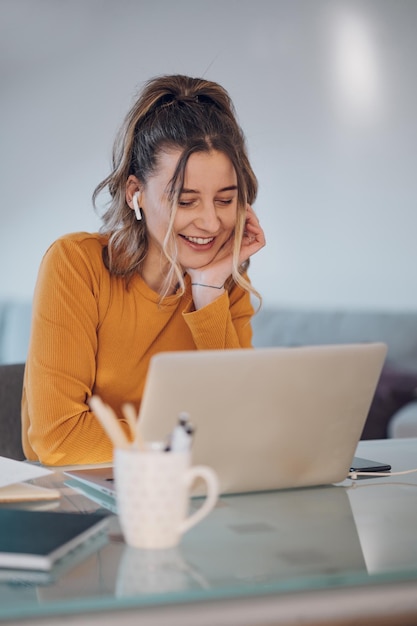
182,435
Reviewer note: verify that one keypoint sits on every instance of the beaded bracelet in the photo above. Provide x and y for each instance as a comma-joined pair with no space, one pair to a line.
203,285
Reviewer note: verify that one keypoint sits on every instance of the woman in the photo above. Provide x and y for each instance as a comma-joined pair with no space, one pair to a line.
166,272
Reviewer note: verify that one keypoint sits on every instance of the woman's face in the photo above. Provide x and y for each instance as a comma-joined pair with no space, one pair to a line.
206,212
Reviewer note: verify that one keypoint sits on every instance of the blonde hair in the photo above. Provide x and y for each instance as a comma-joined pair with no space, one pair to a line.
172,113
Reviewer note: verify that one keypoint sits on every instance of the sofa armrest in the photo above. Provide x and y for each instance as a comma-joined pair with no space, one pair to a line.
404,422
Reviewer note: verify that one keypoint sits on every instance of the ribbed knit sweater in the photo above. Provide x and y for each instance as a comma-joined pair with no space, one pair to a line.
93,335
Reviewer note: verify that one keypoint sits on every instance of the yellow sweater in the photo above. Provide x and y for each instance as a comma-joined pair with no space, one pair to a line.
91,335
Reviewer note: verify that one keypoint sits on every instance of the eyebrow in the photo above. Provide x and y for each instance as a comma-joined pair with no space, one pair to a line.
230,188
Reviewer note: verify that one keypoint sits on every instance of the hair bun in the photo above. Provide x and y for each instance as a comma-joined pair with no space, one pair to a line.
171,98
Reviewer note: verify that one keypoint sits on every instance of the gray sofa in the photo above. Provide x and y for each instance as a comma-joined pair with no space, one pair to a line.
394,410
292,327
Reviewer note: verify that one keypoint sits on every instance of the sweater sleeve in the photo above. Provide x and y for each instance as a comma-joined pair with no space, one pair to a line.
58,427
223,324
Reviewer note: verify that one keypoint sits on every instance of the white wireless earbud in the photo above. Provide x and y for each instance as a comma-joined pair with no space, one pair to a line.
136,206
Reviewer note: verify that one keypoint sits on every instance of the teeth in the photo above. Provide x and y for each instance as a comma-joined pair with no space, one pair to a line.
199,240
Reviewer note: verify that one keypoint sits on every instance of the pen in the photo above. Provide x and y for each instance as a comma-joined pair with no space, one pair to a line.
182,435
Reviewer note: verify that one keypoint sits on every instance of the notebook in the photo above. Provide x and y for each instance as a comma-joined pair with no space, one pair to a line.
83,552
265,418
36,540
26,492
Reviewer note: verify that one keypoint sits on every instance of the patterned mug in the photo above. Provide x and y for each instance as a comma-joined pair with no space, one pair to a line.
153,493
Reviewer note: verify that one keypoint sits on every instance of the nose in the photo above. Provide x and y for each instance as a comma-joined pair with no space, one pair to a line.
207,218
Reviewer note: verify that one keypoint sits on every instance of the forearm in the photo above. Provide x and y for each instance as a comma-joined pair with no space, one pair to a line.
59,428
222,324
56,438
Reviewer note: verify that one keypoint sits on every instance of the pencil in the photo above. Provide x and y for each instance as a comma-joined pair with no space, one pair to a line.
109,422
130,414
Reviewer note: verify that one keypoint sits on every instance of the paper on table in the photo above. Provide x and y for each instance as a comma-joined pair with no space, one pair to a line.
12,472
26,492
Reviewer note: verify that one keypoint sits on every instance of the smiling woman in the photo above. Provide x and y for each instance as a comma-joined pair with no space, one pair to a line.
203,220
168,271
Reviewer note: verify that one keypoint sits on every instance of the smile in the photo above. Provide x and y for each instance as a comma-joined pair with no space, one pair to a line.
201,241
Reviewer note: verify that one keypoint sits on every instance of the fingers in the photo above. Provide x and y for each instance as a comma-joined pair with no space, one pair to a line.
220,268
253,230
253,236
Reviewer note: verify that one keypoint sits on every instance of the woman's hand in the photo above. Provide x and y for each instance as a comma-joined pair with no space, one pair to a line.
208,281
253,236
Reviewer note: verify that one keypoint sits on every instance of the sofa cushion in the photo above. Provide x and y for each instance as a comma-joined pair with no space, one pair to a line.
295,327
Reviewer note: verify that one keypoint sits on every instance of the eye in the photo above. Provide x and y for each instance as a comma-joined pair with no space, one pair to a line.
225,201
186,204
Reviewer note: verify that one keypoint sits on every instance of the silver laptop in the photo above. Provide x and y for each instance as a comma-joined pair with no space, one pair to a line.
265,418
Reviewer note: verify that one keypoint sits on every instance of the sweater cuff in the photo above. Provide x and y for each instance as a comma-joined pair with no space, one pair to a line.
209,324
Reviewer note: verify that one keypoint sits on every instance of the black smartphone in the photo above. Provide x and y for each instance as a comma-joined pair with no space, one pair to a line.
366,465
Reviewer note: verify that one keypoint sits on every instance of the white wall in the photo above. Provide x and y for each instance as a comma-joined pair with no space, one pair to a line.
325,90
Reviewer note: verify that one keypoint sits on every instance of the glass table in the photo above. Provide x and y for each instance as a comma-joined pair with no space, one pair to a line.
327,553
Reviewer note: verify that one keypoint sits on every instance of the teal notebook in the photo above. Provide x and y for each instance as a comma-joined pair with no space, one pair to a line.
36,540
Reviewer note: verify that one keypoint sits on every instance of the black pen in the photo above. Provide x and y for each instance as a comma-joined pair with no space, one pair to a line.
182,435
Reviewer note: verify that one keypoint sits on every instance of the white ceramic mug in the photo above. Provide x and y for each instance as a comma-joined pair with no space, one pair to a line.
153,492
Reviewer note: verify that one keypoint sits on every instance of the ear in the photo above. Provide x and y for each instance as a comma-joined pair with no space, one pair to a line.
133,185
